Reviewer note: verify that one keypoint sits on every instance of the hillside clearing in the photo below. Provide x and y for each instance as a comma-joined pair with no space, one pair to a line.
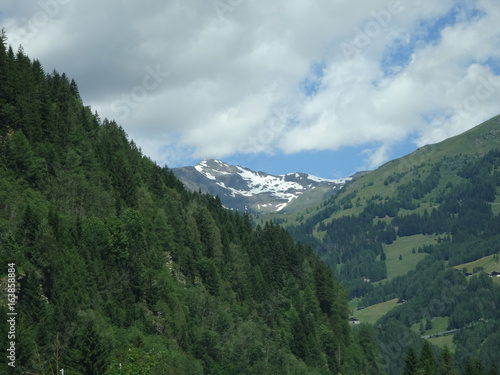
441,341
487,264
403,246
375,312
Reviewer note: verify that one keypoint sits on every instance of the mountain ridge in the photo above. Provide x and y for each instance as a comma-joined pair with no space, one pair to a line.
386,179
243,189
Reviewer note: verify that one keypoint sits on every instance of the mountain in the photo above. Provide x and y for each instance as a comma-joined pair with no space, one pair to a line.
416,185
423,229
245,190
412,182
113,267
387,180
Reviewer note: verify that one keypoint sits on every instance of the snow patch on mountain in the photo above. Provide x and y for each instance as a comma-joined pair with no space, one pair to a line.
240,187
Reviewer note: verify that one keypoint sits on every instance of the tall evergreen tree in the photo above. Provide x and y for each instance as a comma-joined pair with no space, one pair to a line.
90,350
123,264
427,362
411,362
446,366
479,367
470,367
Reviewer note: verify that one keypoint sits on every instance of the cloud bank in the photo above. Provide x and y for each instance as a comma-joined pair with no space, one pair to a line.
192,79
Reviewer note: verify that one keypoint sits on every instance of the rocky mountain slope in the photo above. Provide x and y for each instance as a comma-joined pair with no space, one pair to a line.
246,190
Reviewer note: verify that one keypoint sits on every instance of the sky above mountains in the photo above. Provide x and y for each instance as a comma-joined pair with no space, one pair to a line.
326,87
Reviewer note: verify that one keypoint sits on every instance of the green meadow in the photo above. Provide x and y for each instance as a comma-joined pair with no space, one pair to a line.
403,246
375,312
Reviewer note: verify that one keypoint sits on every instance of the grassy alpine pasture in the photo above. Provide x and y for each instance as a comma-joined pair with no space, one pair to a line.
487,264
456,150
441,341
404,246
439,325
375,312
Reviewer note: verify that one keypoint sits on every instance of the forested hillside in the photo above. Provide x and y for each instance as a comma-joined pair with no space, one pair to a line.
405,230
119,269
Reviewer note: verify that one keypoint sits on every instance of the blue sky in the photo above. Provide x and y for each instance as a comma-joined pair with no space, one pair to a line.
330,164
326,88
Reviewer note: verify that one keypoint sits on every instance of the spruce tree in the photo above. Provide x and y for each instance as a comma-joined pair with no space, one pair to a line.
411,362
129,267
446,362
90,350
470,368
427,362
479,367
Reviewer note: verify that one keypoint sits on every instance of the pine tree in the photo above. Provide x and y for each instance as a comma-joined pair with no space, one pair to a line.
3,75
90,350
31,303
427,362
21,156
446,362
479,367
27,231
470,368
411,363
428,324
128,265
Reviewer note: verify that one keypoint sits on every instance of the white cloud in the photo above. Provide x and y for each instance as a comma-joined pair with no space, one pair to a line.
230,72
424,97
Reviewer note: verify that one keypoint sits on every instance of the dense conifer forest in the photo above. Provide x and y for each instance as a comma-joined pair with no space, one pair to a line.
119,269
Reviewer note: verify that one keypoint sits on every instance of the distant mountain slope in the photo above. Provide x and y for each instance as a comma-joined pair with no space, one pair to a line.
413,184
452,152
386,181
398,231
245,190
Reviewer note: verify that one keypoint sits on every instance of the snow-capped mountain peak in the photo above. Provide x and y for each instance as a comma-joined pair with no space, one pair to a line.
243,189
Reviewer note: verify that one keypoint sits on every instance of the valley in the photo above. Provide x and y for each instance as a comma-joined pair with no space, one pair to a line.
217,269
409,231
432,213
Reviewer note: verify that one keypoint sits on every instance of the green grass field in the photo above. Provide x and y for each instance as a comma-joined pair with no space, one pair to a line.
439,324
441,341
489,264
353,304
403,246
495,208
375,312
